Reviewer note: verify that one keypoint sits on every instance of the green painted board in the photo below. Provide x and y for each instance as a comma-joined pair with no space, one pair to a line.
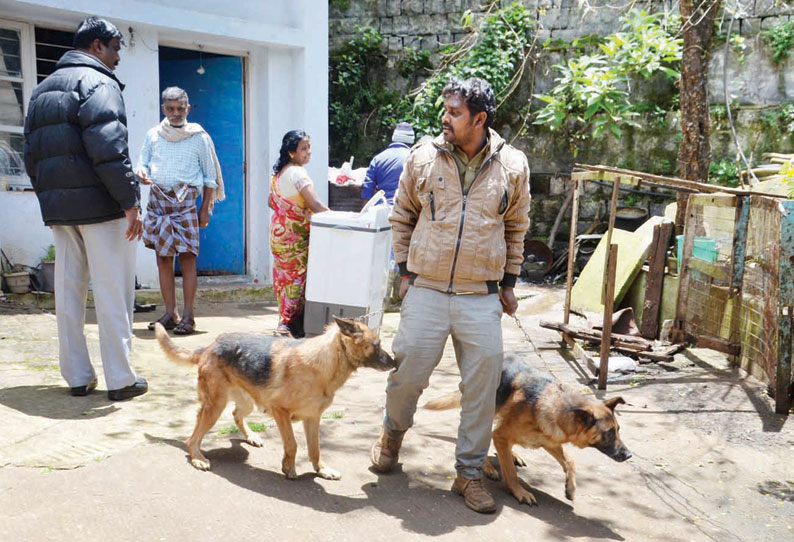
632,251
635,298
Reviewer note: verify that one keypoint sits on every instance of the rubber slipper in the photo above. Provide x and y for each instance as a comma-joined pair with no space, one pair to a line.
166,321
283,331
184,328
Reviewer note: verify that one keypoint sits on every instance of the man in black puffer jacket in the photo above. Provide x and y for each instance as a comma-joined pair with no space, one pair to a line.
77,158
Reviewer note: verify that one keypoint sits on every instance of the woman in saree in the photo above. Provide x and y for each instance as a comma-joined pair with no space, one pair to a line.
293,201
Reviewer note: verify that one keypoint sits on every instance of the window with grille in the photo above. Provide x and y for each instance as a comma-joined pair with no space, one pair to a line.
50,46
15,89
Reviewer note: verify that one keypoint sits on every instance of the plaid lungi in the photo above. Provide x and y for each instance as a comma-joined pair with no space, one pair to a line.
171,225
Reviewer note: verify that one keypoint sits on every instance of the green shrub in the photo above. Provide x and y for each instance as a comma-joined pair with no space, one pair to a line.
592,94
495,53
725,172
780,39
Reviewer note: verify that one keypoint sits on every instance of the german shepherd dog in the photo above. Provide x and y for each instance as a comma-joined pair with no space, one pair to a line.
292,379
536,411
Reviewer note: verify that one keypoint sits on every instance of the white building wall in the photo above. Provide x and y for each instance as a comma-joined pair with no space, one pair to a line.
285,45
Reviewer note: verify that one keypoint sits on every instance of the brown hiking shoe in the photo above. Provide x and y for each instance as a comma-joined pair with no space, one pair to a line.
474,494
386,450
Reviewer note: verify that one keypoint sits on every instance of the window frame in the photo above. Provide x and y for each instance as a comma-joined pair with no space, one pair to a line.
27,51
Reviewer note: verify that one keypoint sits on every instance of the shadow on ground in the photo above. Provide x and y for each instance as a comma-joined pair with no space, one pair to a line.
54,402
420,508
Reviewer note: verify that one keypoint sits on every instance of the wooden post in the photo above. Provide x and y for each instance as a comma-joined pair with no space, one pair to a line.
606,334
683,277
738,253
558,220
653,290
612,212
785,313
571,251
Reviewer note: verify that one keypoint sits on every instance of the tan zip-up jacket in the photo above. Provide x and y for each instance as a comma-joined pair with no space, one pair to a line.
456,244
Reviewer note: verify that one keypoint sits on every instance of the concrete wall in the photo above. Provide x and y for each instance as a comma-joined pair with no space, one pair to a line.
754,82
285,47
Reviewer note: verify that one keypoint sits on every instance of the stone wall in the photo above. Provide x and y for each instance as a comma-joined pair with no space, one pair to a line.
753,81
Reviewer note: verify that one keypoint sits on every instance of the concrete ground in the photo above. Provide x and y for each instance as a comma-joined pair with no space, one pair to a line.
711,459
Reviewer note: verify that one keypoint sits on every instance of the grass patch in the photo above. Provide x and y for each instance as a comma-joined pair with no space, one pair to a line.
335,415
232,429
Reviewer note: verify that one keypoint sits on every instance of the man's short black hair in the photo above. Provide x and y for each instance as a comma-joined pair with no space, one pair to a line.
476,93
94,28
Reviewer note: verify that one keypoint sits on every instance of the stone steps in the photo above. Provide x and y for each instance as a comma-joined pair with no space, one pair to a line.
225,289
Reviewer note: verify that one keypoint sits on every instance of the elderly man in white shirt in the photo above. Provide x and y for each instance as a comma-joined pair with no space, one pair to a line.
178,160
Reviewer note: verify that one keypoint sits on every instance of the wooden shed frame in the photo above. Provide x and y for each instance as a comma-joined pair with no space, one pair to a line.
618,177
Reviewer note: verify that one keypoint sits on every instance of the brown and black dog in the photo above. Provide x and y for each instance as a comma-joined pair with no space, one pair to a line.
535,410
293,379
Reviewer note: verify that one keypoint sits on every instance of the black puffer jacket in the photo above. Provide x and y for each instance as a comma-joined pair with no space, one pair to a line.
76,144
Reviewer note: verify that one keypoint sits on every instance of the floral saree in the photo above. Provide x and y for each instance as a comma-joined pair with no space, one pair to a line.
289,243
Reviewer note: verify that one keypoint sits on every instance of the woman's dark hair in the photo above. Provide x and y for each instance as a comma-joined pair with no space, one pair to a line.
289,143
94,28
476,93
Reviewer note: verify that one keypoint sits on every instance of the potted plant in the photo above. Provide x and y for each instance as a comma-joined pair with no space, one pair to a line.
17,280
48,270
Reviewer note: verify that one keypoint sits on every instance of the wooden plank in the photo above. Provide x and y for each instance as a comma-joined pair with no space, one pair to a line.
613,210
738,254
683,283
671,182
581,353
586,295
607,328
594,334
707,268
650,356
558,220
649,328
571,251
717,343
783,368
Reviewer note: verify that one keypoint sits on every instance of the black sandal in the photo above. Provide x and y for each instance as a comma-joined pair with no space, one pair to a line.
184,327
165,320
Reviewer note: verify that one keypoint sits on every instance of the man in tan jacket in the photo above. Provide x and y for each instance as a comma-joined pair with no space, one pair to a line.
458,225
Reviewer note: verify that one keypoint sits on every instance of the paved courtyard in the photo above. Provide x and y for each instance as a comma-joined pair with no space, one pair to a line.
711,459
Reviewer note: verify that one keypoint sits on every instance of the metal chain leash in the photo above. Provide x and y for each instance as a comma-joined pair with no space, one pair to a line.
534,346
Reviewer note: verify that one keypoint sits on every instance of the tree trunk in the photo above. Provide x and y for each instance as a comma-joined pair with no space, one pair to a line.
694,153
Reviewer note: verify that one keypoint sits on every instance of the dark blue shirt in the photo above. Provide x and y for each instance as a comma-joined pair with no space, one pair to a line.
384,171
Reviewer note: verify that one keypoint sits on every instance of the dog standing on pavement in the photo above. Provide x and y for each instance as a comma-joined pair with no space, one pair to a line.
293,379
536,411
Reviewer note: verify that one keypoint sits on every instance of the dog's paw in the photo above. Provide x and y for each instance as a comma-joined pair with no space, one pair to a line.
518,461
524,496
329,474
201,463
490,471
291,474
254,440
570,491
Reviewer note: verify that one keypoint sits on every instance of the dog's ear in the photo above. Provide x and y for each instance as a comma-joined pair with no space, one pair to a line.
347,327
613,402
584,416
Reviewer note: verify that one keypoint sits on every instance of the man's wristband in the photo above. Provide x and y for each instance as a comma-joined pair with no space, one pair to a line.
508,281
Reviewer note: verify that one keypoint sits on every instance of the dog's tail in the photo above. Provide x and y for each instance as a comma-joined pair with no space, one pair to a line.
172,351
445,402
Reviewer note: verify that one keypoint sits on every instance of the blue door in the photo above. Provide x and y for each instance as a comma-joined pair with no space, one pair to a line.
214,84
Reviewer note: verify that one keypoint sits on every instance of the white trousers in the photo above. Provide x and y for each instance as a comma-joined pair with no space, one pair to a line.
101,254
427,319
